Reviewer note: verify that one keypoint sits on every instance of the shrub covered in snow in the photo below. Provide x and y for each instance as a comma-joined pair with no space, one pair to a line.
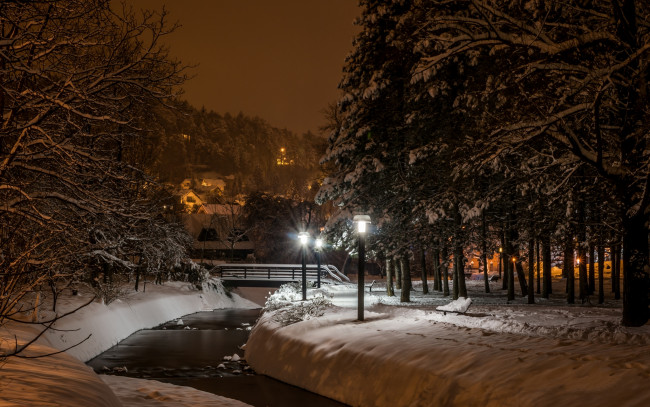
288,307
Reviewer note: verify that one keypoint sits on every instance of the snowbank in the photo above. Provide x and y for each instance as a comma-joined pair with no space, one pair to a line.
56,380
150,393
493,356
64,380
108,325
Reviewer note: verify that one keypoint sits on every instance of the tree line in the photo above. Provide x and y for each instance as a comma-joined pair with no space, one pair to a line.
482,124
77,79
194,141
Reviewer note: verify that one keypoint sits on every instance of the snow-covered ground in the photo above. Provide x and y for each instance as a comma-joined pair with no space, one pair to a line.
496,354
64,380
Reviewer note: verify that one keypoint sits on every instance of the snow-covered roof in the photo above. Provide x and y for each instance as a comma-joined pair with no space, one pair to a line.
220,209
213,182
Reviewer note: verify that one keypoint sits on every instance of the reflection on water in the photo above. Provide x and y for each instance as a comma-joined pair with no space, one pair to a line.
191,351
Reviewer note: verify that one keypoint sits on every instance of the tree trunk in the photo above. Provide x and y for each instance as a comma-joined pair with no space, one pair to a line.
636,280
389,277
455,277
592,271
398,273
505,259
511,279
582,253
547,286
569,270
521,276
601,273
437,286
612,268
423,261
406,279
617,280
486,278
531,271
582,273
538,267
508,263
445,271
462,287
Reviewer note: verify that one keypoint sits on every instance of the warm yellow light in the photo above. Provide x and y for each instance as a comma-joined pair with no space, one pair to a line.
514,259
500,249
282,150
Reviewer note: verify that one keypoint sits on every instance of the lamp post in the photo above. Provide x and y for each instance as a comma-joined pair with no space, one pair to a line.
500,253
319,247
304,238
361,221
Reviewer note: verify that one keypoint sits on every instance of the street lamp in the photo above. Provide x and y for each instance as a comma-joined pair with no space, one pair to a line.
319,248
304,239
500,253
361,221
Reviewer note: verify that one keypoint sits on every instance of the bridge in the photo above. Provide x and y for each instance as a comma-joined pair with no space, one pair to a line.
274,275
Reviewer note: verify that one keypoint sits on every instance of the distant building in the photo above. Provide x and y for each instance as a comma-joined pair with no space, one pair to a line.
218,234
186,184
191,200
220,210
211,183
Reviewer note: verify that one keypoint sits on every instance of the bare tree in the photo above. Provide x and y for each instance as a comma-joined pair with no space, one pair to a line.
73,76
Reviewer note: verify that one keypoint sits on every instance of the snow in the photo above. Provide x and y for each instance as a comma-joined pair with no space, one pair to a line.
431,351
460,305
495,354
150,393
64,379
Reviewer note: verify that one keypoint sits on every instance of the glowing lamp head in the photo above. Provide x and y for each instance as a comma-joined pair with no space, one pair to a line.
362,221
303,237
500,249
514,259
319,243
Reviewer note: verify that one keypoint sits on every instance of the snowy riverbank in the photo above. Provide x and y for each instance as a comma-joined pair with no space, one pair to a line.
497,354
64,379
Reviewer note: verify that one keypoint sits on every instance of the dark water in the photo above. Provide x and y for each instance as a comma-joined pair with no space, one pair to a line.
190,354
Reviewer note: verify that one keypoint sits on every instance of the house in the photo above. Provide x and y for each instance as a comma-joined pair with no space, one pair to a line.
218,237
220,210
212,183
186,184
191,200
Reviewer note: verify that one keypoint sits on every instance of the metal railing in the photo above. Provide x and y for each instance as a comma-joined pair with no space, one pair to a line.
276,272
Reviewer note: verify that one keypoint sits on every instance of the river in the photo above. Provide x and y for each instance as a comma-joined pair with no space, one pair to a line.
190,352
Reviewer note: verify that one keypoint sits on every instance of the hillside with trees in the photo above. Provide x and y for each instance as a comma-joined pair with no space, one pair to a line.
188,142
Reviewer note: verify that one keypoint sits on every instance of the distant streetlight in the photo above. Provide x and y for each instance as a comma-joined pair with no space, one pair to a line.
304,239
318,248
361,221
500,253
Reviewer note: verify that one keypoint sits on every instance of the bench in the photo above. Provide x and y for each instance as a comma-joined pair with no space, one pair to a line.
369,286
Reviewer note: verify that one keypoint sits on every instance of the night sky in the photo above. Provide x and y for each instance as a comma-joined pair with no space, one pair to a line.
280,60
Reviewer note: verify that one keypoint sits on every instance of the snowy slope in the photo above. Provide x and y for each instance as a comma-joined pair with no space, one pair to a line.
494,355
137,310
63,380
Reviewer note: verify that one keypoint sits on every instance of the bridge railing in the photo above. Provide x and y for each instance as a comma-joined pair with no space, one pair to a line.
283,272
